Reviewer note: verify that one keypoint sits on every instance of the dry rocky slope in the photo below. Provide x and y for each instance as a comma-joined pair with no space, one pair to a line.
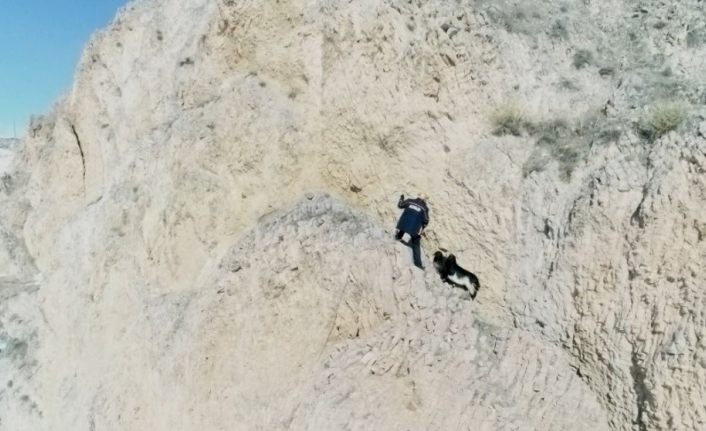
161,267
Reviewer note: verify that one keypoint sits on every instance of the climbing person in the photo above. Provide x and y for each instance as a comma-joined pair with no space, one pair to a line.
413,220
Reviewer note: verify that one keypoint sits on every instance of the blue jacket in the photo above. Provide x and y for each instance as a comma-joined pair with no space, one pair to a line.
414,217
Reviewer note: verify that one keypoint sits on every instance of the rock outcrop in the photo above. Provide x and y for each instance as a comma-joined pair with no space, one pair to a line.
562,147
288,331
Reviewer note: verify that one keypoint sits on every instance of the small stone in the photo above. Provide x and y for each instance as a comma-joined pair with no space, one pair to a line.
309,195
702,129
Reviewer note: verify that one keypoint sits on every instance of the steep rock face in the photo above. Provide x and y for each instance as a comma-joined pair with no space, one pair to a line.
7,153
628,283
190,120
288,331
20,313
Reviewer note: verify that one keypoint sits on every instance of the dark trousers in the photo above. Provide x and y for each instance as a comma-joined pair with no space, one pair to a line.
415,245
416,251
412,222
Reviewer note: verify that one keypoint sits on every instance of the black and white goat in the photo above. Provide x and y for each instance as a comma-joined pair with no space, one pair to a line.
452,273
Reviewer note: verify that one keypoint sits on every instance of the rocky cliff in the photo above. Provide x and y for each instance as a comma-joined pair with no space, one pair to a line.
161,267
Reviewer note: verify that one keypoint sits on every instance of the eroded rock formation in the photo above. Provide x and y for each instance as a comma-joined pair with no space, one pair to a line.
144,284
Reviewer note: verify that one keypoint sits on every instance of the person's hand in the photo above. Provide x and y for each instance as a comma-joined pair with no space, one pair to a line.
402,197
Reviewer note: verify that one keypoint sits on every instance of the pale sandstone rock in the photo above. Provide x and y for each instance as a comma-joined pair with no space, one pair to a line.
190,121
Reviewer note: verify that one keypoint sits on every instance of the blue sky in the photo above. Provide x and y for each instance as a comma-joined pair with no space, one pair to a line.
40,45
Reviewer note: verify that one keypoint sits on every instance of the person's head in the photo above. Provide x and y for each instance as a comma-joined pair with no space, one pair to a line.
423,196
